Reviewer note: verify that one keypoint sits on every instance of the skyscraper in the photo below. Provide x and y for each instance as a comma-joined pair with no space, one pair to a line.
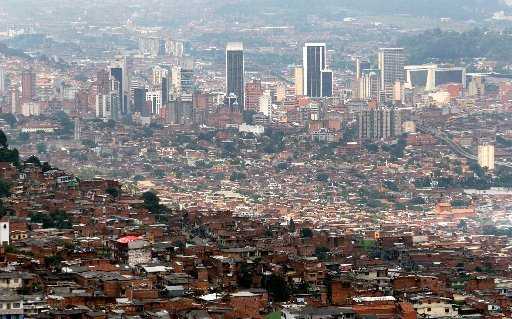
187,80
165,91
117,74
103,85
391,66
379,123
368,86
155,97
299,80
120,73
159,73
3,85
253,92
139,101
361,65
78,129
314,56
318,80
108,100
486,156
327,83
161,80
28,86
175,81
235,72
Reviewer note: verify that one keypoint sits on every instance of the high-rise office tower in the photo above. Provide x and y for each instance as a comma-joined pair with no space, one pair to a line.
161,79
486,156
361,65
28,86
318,80
175,81
180,112
187,80
327,83
103,84
139,101
165,91
299,80
78,129
379,123
155,98
108,104
253,92
159,73
117,74
3,84
265,103
314,57
15,105
187,77
149,46
392,69
235,72
476,85
369,86
120,73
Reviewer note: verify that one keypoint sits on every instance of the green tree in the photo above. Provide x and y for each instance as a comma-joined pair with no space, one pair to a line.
3,140
41,148
5,189
245,276
53,261
113,192
278,288
46,167
138,178
237,176
67,126
58,219
10,156
248,117
10,119
23,137
151,201
282,166
291,226
306,232
322,253
159,173
322,177
33,160
89,143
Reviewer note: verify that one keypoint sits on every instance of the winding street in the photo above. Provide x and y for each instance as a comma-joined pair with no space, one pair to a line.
454,146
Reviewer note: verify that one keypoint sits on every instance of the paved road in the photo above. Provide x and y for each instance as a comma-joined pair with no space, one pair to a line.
456,147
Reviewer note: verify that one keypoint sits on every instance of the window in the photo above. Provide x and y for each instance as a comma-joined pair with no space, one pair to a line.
447,310
429,309
16,305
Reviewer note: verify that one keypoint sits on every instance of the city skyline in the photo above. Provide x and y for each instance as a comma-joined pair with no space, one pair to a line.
262,159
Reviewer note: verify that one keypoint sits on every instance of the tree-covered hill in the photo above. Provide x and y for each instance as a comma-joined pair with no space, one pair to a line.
452,46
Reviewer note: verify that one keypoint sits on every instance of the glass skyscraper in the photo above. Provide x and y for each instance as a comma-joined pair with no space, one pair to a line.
235,72
318,80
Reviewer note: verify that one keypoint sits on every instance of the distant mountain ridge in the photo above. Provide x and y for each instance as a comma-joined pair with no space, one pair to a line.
286,11
456,9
